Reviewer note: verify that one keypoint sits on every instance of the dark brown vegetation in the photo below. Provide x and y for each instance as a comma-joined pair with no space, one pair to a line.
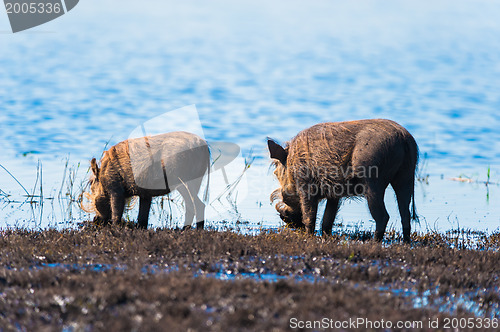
338,160
124,279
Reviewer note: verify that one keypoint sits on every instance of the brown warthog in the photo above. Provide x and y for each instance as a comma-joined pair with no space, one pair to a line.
147,167
345,159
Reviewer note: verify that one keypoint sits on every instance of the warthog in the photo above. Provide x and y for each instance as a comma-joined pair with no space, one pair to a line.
338,160
147,167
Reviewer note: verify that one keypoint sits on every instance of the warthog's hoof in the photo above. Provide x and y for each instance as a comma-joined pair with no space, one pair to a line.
100,222
379,236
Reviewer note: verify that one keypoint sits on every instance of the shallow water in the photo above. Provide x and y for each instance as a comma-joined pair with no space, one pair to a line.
256,69
433,298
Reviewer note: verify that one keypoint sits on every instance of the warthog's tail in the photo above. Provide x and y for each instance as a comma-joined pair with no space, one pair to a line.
205,196
413,153
414,215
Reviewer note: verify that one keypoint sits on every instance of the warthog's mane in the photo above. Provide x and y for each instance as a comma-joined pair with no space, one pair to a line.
322,152
280,171
89,205
287,183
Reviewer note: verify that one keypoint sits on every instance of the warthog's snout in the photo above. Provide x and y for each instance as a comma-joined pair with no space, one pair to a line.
288,208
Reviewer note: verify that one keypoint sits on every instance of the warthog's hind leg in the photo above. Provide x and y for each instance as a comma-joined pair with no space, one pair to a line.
403,195
375,198
188,204
196,205
332,206
199,212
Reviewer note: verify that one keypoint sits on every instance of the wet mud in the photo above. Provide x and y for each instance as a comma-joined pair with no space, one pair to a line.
95,279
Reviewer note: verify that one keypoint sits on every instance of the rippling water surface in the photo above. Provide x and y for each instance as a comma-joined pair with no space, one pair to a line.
256,69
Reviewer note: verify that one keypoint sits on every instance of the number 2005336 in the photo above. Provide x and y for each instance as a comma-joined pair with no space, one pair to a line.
463,323
33,8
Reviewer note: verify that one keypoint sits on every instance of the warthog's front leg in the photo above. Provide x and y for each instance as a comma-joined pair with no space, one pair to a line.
117,207
309,205
144,207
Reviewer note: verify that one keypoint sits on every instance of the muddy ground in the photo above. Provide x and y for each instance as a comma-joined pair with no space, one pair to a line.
118,278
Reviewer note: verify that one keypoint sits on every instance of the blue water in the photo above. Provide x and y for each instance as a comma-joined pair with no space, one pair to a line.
256,69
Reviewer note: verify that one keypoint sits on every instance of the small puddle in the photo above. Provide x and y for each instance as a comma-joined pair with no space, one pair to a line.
450,303
89,267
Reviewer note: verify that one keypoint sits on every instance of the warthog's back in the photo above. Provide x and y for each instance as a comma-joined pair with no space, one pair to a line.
338,151
172,158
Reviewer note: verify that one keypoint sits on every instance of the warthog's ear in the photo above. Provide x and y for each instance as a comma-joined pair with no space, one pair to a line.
277,151
95,168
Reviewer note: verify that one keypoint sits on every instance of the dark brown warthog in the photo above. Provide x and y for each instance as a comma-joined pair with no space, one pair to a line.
345,159
147,167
